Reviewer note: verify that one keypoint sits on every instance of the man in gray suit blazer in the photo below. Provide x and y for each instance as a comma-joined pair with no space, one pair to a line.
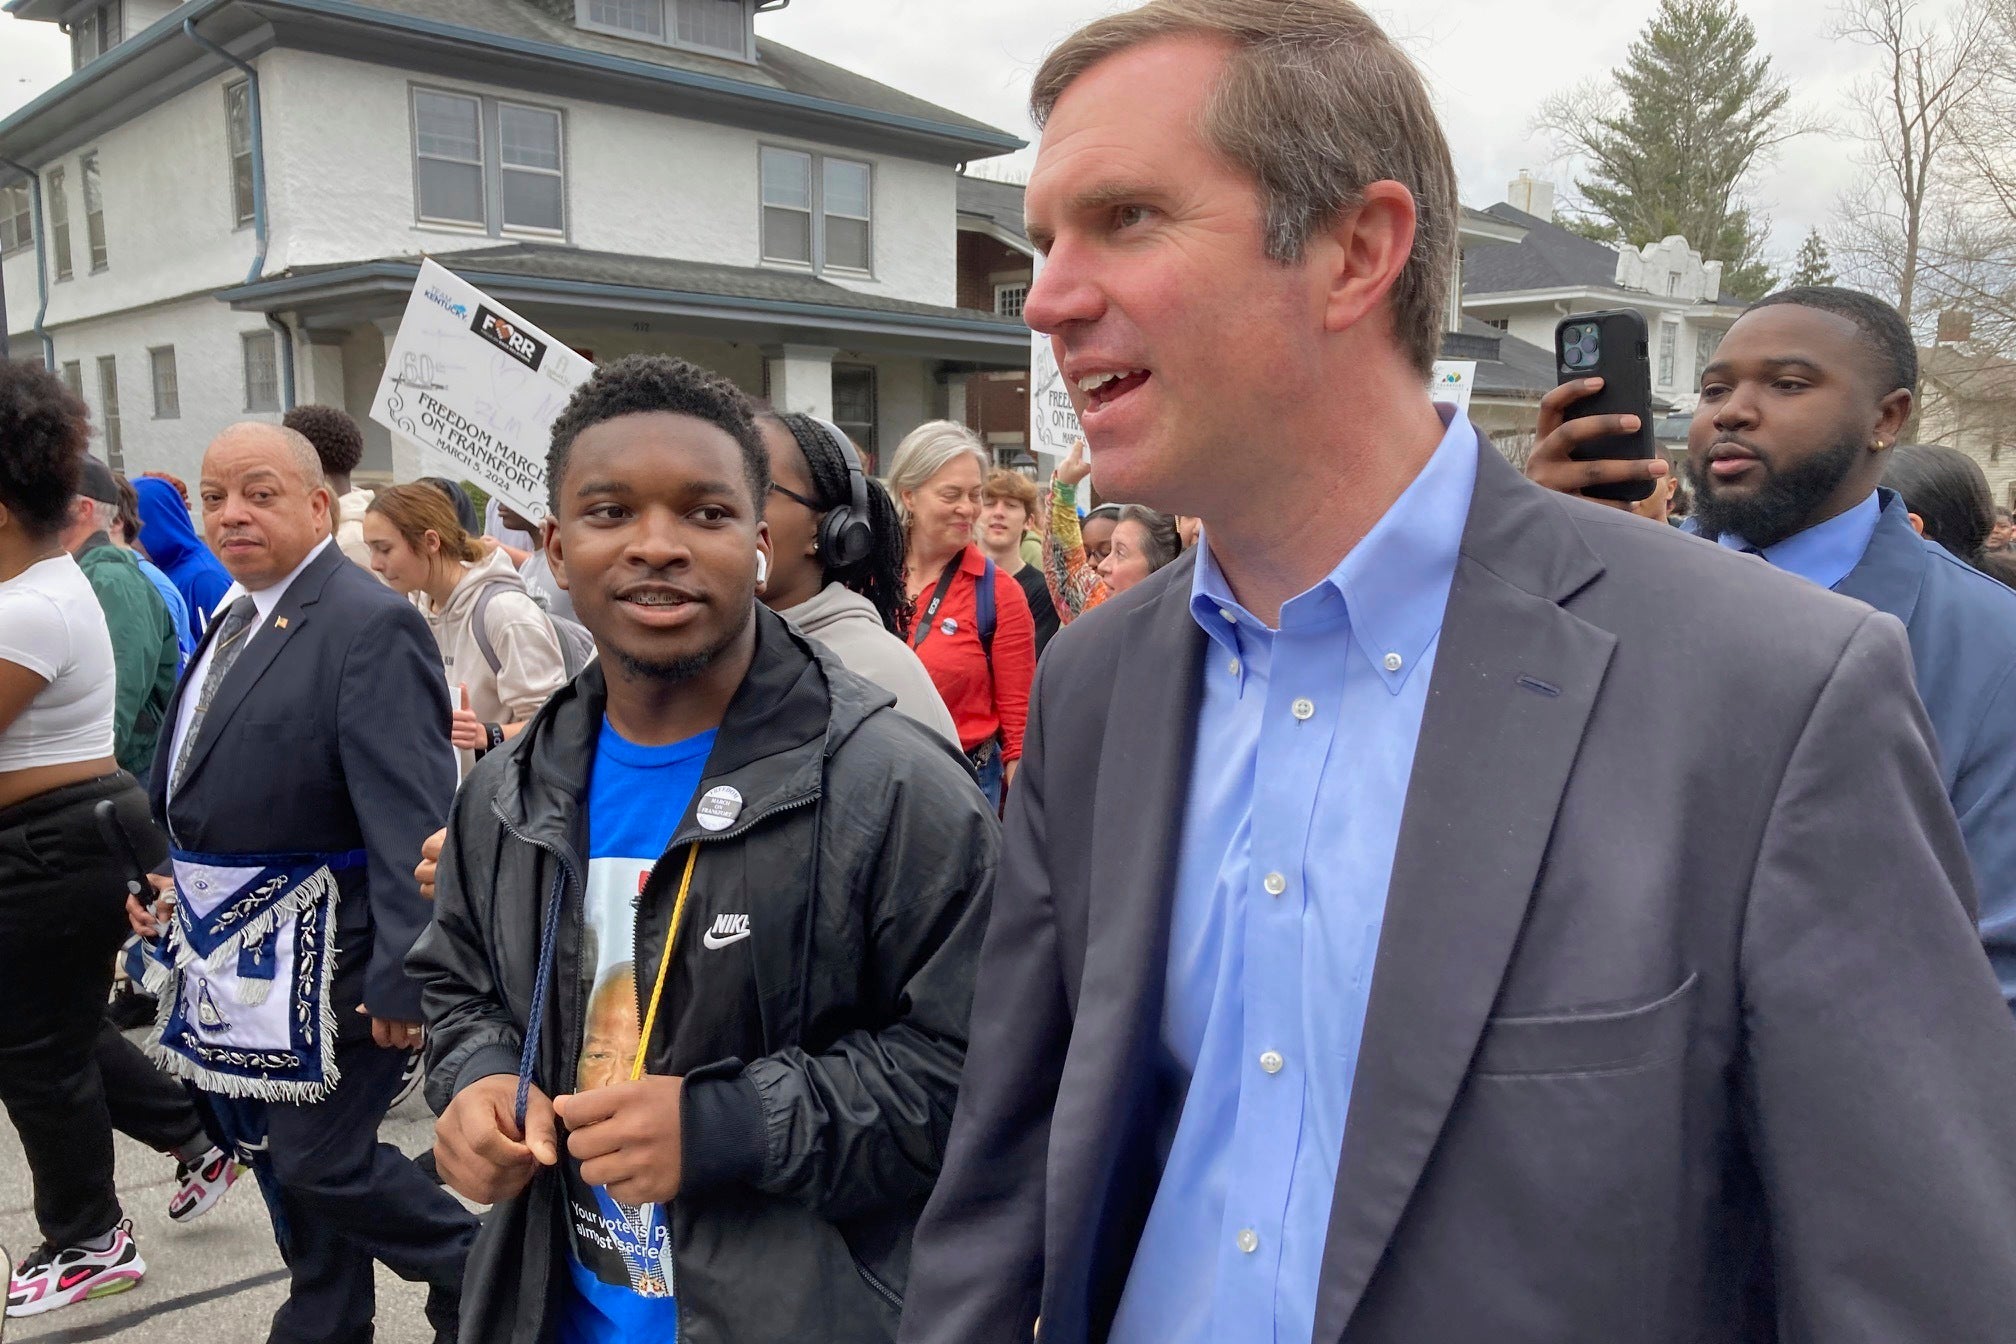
1579,951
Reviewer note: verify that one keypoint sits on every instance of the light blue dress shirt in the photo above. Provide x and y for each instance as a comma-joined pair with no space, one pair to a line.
1824,552
1305,743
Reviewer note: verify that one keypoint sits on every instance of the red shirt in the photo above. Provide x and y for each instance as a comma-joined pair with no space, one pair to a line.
983,703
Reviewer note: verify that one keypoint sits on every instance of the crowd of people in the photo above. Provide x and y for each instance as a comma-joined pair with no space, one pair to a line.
1414,903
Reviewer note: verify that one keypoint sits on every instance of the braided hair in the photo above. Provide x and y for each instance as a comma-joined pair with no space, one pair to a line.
878,577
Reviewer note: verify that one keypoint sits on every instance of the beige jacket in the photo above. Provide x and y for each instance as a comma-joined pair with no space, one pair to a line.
531,667
848,624
350,527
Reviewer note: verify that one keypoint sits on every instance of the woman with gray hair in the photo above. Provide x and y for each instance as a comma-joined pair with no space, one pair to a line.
972,629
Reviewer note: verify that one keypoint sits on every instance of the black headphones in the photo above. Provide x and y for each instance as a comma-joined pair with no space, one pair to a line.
846,536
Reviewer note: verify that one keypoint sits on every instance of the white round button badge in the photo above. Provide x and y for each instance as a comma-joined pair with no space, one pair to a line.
718,809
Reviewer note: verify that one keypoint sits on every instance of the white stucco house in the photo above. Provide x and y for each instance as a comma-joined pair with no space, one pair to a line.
220,212
1525,288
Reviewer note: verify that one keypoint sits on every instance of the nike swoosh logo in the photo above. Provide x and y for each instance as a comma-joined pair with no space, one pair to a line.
715,944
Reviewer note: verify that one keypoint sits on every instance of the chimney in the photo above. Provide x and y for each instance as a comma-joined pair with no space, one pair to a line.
1531,195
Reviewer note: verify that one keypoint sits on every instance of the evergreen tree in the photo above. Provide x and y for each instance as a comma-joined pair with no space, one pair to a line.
1812,266
1699,106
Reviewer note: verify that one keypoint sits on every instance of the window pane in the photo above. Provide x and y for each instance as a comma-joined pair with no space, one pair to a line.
16,218
847,243
448,126
243,203
717,24
532,201
73,376
167,395
111,25
57,202
787,179
94,213
108,398
846,188
636,16
262,373
787,235
531,137
854,408
451,191
238,116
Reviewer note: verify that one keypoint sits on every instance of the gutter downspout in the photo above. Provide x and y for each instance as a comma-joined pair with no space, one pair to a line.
260,232
41,269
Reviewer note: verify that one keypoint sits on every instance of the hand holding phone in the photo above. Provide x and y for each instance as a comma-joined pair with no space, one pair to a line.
1556,464
1610,348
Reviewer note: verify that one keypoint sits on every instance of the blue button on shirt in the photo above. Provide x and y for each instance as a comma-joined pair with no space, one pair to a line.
1305,743
1825,552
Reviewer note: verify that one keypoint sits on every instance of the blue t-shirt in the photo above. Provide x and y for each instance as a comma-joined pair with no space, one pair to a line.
620,1256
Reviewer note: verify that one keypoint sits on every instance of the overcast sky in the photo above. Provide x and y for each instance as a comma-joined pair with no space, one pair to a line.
1491,63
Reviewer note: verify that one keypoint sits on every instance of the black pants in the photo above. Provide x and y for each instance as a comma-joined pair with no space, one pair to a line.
66,1077
347,1200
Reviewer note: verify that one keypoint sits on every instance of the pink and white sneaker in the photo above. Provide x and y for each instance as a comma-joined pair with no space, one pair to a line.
50,1278
202,1185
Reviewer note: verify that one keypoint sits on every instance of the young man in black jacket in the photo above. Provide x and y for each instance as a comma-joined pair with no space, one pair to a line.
721,904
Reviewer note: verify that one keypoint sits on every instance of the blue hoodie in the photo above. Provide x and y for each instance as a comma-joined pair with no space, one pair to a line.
170,540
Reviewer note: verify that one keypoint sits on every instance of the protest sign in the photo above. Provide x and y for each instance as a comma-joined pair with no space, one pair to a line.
1452,382
1053,423
478,388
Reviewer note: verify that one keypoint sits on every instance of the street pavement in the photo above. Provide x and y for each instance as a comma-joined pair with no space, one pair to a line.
215,1281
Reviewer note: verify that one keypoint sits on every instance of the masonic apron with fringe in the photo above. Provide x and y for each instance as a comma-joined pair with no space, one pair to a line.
244,971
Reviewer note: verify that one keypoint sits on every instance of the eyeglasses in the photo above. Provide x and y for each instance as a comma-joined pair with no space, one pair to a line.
788,493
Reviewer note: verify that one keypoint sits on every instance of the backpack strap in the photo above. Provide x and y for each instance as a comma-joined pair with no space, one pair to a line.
983,614
479,624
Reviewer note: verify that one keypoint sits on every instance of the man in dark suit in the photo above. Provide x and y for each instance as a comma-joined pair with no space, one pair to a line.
1783,466
308,759
1436,910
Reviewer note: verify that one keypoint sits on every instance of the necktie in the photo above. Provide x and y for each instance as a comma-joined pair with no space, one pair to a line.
230,643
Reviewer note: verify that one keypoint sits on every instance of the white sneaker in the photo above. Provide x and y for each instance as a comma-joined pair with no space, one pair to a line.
201,1186
50,1278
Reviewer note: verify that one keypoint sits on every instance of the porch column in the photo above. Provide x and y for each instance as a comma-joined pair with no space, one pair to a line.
955,398
321,362
801,378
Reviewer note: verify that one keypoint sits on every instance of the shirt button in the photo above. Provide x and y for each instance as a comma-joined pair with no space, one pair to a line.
1230,619
1275,884
1305,709
1233,667
1248,1240
1272,1061
1394,662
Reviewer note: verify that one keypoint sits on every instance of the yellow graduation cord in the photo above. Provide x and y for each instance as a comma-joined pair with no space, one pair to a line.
664,963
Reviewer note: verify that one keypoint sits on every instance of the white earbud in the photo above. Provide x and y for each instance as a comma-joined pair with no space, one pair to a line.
762,568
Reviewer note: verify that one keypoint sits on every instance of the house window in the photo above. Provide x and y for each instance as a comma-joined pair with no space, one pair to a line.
94,212
854,408
1669,337
73,376
719,27
59,222
1008,299
17,218
533,187
1498,323
167,392
817,211
448,152
238,131
455,139
97,31
108,410
262,372
1705,341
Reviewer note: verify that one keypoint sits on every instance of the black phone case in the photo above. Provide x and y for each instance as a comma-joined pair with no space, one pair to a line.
1625,366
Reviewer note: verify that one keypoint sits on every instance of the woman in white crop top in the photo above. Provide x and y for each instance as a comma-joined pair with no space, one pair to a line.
62,887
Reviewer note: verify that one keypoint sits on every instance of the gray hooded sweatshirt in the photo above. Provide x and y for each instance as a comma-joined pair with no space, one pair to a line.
848,624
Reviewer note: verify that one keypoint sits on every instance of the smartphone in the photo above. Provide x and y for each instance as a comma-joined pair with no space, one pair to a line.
1611,345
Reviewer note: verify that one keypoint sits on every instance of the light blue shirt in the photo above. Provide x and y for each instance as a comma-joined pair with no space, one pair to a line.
1305,743
1824,552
